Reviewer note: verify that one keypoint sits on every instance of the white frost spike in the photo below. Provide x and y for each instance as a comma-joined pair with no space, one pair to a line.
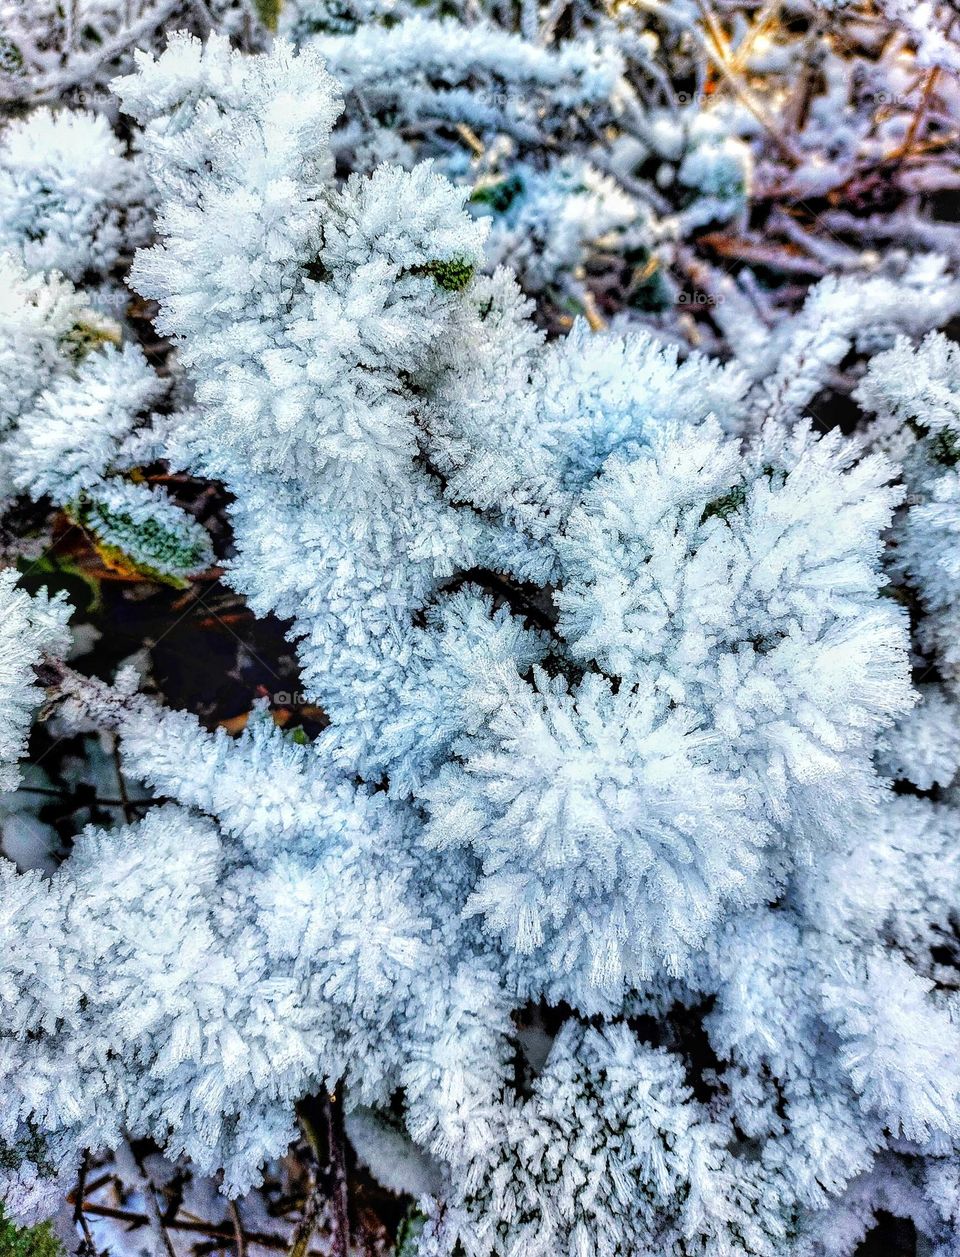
30,627
70,201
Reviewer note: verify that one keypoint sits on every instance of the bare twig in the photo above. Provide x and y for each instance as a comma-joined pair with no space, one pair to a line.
919,114
760,25
322,1123
88,1247
81,68
312,1213
757,251
261,1238
155,1219
240,1238
714,44
338,1174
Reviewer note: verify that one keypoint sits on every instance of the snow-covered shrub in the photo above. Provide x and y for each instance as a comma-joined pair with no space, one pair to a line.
55,52
79,400
544,223
70,201
588,895
423,68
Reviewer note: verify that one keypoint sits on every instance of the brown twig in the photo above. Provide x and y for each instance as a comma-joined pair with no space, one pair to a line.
83,1188
338,1173
321,1120
239,1237
714,44
918,115
154,1214
311,1217
262,1238
929,86
88,1247
760,25
790,261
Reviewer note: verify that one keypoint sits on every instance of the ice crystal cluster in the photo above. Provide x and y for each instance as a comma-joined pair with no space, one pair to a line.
616,895
74,422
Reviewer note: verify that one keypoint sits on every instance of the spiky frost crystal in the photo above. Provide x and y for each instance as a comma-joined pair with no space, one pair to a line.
78,417
69,199
30,627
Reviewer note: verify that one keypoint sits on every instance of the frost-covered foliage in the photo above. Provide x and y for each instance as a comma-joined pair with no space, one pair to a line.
77,399
915,395
545,223
487,77
29,629
613,893
69,201
50,51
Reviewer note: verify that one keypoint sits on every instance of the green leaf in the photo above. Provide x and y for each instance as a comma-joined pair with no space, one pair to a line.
151,548
30,1241
499,195
408,1233
268,11
726,505
451,275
